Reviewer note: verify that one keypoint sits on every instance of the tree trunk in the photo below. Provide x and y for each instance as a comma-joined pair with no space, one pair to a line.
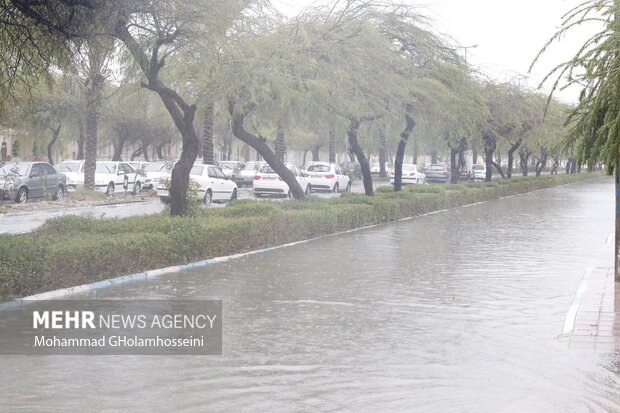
208,156
180,111
474,156
361,157
542,162
315,153
50,145
332,143
457,160
511,157
280,144
499,169
382,157
524,160
489,148
265,151
80,142
402,144
160,150
434,156
119,145
93,106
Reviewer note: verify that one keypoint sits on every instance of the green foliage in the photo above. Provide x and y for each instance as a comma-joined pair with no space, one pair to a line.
595,122
72,250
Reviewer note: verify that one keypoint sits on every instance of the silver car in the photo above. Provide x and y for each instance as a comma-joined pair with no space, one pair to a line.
22,181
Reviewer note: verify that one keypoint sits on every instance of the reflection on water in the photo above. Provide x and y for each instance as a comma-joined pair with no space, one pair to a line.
458,311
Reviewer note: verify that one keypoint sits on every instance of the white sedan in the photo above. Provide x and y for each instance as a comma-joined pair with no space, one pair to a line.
268,182
110,177
154,171
411,175
211,182
327,177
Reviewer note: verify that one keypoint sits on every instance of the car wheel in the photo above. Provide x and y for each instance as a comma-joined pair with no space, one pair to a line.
233,196
22,196
289,194
59,194
348,187
206,201
335,190
109,192
164,200
137,188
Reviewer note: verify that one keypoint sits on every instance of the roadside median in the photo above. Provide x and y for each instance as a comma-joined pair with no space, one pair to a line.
70,250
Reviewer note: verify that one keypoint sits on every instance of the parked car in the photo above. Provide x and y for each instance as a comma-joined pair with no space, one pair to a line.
437,173
478,172
268,182
138,166
22,181
327,177
412,174
231,168
375,168
212,185
247,173
353,169
154,171
110,177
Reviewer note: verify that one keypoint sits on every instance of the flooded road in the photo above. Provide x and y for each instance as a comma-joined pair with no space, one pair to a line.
457,311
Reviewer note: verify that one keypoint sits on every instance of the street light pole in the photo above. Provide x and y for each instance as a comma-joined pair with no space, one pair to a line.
465,48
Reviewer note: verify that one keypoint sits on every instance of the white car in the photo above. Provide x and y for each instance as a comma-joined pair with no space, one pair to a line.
138,165
411,175
231,168
327,177
375,168
154,171
247,173
110,177
268,182
213,185
478,172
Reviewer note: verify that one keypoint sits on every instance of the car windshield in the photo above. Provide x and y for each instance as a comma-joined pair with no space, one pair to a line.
14,169
478,167
408,167
105,168
436,168
266,169
69,167
228,165
250,166
157,167
197,170
319,168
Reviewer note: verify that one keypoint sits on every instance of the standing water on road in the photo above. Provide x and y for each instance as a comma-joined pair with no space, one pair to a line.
456,311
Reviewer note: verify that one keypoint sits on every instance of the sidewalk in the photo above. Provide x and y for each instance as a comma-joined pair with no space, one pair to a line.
596,323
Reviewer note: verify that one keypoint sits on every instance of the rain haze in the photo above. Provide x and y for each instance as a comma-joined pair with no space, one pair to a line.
507,36
330,213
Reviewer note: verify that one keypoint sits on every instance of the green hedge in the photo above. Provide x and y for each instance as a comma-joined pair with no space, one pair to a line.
72,250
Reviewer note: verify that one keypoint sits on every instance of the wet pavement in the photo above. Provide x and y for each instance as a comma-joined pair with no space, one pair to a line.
459,311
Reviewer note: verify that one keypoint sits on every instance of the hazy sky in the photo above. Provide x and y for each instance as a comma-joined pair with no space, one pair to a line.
508,34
